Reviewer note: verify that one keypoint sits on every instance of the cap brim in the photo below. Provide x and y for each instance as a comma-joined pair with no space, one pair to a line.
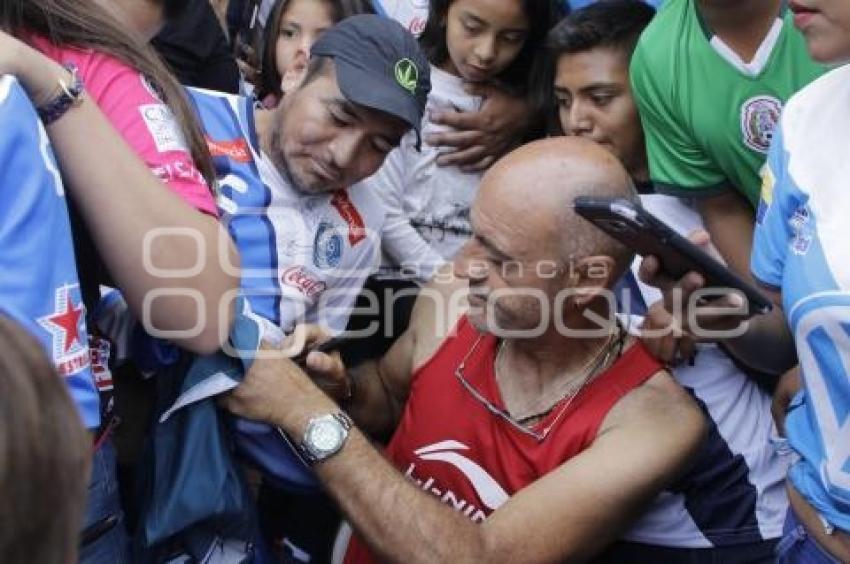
379,93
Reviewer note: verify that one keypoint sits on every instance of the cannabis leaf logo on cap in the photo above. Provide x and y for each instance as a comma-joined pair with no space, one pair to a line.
407,75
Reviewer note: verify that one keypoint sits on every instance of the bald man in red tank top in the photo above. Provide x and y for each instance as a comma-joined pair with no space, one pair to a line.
528,427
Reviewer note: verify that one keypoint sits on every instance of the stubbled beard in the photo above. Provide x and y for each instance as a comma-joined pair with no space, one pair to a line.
276,150
279,161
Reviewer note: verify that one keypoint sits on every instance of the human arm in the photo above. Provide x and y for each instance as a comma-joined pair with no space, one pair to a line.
729,220
477,139
644,443
373,393
131,229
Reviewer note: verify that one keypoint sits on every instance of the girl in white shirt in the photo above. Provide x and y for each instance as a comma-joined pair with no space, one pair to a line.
468,42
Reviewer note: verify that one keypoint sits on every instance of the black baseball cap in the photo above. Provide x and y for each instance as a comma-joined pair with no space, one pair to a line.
378,65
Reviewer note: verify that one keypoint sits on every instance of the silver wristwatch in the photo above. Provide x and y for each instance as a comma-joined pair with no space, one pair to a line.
324,436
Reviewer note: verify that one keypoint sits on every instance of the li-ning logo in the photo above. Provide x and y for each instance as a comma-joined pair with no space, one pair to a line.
488,490
407,75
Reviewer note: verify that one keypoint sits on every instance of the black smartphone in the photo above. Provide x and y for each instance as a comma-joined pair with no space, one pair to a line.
644,233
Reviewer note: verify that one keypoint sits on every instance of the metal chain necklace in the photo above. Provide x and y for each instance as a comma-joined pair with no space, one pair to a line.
601,359
587,372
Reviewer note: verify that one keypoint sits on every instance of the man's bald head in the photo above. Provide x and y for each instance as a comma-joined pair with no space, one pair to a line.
536,185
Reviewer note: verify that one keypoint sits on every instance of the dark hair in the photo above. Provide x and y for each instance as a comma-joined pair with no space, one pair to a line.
541,14
86,24
44,455
269,76
614,24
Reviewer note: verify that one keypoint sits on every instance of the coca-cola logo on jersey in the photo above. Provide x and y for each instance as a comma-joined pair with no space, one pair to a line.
417,25
300,278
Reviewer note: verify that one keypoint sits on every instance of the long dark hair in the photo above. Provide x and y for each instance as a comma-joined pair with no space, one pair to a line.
269,76
86,24
541,14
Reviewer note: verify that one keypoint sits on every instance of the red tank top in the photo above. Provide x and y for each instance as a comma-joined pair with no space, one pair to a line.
450,445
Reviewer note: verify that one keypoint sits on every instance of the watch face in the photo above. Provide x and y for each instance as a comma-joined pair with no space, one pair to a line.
325,436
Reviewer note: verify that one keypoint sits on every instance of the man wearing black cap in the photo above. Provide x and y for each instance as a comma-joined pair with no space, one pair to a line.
307,235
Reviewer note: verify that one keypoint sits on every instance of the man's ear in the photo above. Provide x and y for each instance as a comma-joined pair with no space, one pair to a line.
595,274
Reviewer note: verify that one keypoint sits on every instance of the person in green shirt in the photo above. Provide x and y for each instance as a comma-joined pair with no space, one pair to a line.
710,78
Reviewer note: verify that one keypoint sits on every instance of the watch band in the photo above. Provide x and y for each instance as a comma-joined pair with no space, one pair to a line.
344,419
69,96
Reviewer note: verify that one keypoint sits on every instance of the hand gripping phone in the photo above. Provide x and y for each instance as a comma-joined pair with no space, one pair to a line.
644,233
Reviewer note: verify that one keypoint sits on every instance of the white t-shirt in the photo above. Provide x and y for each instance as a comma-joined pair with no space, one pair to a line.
427,206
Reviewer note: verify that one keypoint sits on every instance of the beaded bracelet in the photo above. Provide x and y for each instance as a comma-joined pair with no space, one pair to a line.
68,96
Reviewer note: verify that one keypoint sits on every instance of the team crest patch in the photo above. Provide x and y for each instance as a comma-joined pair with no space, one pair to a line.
66,326
327,246
759,116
